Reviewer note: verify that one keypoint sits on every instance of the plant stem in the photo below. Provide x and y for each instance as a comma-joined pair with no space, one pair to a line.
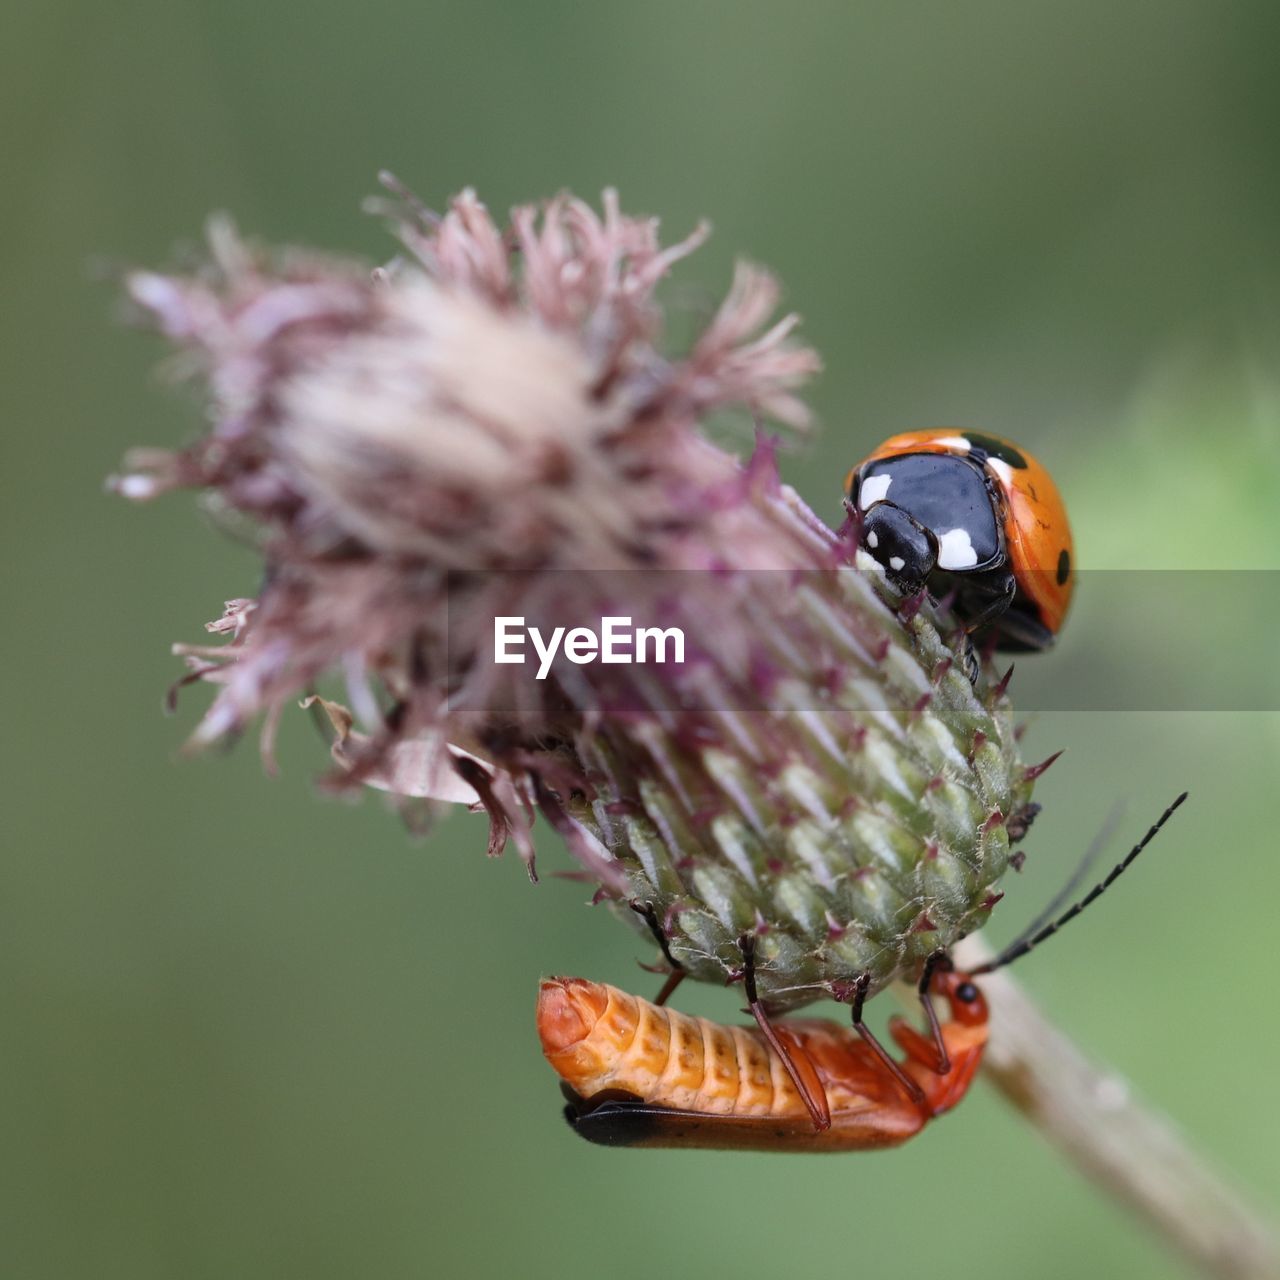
1094,1118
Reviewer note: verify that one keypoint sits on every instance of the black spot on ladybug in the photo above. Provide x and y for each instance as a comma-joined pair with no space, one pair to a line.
1064,567
996,448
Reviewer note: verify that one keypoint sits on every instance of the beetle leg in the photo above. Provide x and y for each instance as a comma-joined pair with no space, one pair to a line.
914,1091
985,600
1018,629
676,972
995,593
797,1063
1018,823
939,959
674,979
917,1047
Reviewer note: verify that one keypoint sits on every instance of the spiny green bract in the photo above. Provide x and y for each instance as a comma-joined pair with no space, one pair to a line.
881,837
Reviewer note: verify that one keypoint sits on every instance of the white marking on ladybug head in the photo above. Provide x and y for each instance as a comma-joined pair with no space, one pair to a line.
873,539
867,563
955,550
873,490
958,443
897,562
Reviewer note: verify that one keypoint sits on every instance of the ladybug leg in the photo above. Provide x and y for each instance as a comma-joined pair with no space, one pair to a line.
988,597
1019,821
1019,629
914,1091
984,603
798,1064
676,972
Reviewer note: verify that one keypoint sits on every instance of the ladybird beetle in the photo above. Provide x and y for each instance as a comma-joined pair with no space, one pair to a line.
962,511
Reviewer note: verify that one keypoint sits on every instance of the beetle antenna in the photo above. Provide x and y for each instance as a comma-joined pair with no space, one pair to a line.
1029,941
1078,876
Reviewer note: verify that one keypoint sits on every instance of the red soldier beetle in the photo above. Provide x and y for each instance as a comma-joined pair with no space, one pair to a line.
638,1074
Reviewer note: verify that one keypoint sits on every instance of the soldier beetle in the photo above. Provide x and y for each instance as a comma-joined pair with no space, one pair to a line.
638,1074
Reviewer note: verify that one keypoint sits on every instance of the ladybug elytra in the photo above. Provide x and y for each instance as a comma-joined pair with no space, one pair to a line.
962,511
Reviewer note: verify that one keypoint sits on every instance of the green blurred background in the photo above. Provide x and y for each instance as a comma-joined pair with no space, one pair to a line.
252,1032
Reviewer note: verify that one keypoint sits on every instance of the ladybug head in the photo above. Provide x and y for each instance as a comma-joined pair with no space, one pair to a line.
907,550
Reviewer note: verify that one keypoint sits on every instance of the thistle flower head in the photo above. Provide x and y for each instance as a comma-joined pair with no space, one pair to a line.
490,428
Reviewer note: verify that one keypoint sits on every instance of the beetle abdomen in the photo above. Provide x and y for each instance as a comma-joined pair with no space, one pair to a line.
600,1039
